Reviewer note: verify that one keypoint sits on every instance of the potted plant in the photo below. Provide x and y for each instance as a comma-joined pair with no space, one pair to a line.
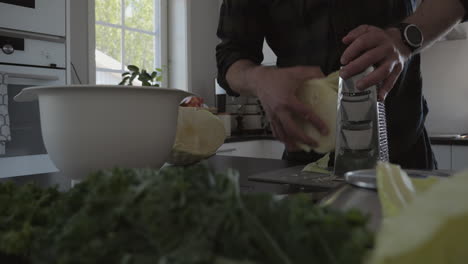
146,78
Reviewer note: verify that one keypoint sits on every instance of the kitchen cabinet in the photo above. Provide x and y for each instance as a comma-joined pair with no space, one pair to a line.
43,17
267,149
459,158
443,154
451,157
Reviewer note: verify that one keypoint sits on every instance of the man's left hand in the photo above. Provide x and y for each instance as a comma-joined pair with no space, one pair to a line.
373,46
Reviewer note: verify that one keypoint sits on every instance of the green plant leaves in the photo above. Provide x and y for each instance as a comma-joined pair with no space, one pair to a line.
147,76
133,68
146,83
134,75
124,80
147,79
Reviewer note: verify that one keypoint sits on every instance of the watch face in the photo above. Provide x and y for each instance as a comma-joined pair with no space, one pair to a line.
414,36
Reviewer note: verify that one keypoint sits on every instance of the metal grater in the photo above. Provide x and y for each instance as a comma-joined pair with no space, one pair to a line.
361,138
383,139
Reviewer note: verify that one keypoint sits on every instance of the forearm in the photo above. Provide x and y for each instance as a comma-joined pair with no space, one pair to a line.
243,77
436,17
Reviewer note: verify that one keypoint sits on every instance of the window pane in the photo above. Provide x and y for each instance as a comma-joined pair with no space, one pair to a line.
111,78
108,48
139,50
108,77
140,14
108,11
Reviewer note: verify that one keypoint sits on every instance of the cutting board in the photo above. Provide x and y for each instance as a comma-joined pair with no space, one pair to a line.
294,176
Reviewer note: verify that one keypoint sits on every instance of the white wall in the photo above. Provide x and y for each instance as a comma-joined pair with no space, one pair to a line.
204,16
178,44
79,40
192,46
445,76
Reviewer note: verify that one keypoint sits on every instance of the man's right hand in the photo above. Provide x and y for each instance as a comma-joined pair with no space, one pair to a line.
276,89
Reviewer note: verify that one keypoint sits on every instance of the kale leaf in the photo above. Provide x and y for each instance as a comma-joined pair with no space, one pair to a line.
173,216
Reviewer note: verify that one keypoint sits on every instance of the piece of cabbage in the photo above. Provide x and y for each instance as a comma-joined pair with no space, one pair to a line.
431,229
397,190
322,96
199,135
320,166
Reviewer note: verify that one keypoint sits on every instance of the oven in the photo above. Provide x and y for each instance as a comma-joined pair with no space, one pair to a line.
26,60
38,16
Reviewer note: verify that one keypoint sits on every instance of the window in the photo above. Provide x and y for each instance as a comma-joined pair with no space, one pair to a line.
128,32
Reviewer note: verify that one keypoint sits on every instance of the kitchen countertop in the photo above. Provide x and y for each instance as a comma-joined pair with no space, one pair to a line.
243,138
251,166
435,140
245,166
345,198
220,164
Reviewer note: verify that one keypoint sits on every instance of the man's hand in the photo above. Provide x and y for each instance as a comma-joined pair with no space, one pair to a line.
276,89
372,46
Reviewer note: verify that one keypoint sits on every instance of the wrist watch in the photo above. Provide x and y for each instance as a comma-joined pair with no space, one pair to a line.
411,35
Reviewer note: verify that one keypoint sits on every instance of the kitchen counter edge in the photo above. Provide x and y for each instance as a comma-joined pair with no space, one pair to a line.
243,138
449,141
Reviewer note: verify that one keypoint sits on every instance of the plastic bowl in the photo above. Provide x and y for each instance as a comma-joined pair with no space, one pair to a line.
91,127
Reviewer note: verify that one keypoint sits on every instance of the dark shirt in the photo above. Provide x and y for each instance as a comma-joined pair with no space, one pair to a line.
465,4
309,32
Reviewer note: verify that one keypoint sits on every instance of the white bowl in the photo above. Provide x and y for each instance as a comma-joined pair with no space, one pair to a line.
90,127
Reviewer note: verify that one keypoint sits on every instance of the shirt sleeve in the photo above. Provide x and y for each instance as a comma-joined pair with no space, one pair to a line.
241,30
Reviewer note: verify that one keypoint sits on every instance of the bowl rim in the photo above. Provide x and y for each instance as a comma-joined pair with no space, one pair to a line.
31,93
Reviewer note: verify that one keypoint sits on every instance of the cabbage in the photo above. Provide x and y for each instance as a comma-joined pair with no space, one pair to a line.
199,135
321,95
431,227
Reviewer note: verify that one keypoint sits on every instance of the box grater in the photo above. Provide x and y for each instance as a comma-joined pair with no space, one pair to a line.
361,127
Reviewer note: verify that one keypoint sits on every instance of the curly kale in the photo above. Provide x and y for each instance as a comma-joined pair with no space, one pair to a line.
25,213
173,216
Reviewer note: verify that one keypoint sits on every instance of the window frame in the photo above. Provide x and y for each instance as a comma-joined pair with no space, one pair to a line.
160,33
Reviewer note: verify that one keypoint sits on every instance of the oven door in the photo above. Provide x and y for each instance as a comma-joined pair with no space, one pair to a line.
40,16
25,153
